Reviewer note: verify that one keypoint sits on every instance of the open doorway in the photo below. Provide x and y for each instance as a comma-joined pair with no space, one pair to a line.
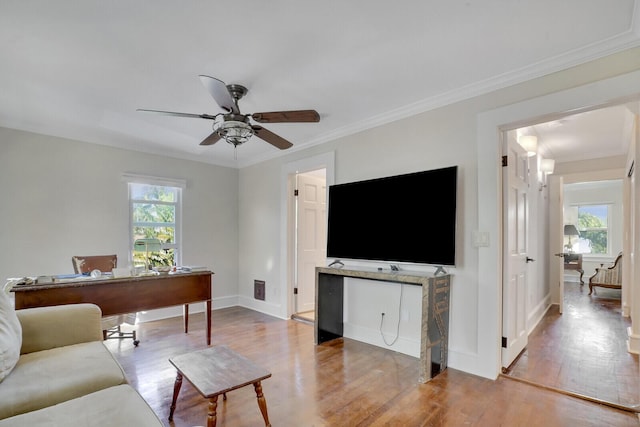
322,167
310,239
578,345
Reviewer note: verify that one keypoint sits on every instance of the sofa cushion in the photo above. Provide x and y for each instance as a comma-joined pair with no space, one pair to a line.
114,406
10,336
48,377
44,328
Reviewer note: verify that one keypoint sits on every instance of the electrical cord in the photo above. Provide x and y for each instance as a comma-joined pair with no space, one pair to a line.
397,326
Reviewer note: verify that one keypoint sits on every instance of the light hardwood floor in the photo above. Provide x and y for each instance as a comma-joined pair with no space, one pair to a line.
340,383
584,349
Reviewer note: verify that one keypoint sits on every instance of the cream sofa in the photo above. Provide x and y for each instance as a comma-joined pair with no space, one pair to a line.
64,375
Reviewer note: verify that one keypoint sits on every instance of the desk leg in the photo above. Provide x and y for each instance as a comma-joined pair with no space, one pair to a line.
176,391
185,317
262,403
208,316
211,414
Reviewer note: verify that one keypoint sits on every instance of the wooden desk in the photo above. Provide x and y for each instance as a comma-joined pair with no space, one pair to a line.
574,262
124,295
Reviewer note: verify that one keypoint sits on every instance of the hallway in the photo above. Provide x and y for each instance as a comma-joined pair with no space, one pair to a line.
584,350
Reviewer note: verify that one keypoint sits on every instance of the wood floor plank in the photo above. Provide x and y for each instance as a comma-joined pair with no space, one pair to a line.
584,349
339,383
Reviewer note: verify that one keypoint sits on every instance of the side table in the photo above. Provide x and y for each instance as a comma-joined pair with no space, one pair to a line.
215,371
574,262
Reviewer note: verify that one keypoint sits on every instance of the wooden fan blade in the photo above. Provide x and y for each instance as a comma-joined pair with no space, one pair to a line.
211,139
295,116
220,93
271,138
173,113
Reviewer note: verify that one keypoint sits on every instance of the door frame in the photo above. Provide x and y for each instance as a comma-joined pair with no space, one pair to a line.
287,219
604,92
556,221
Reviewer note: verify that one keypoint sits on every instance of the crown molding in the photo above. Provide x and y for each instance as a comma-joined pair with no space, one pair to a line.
623,41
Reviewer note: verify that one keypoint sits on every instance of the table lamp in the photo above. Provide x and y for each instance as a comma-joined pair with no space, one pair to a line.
146,245
570,230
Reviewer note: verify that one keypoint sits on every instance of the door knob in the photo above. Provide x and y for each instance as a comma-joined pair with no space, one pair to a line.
560,255
530,259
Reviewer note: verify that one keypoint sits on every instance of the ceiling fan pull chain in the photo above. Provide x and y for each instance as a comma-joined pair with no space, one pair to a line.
235,152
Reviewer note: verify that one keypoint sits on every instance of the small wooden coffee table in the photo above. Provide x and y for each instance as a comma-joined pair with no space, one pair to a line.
215,371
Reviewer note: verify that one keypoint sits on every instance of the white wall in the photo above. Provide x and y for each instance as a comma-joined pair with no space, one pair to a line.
48,188
463,134
402,308
62,198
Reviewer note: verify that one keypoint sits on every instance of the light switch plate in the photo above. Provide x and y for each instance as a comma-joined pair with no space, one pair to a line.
481,239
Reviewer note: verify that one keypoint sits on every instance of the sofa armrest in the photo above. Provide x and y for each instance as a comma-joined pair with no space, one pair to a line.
44,328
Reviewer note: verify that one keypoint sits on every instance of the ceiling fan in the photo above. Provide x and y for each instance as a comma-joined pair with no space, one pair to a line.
236,128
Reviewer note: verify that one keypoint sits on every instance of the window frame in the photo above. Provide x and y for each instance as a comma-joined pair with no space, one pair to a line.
179,185
609,207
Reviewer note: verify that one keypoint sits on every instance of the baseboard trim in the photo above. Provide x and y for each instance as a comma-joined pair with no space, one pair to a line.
633,343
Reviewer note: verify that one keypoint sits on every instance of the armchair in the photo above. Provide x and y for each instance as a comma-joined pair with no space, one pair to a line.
111,328
610,277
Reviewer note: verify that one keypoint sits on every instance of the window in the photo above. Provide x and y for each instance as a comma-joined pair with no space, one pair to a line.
154,211
594,226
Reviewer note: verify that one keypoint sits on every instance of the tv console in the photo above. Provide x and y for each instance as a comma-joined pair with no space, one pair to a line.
434,335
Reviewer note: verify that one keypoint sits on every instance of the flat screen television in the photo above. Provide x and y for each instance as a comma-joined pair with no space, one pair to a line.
403,218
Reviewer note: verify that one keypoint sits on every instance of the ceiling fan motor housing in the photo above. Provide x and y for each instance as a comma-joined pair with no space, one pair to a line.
237,91
233,128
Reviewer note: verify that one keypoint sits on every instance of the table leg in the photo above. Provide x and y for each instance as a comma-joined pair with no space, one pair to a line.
208,317
262,403
176,391
211,414
185,317
581,274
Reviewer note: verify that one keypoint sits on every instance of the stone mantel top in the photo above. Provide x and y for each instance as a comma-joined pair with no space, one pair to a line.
401,276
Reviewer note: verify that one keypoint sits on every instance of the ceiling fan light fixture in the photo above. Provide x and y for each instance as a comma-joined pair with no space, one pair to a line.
233,131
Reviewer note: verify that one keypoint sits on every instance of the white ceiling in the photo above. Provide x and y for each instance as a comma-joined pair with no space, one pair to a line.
81,69
593,134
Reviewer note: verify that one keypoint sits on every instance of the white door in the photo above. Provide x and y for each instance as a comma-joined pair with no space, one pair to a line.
311,247
514,280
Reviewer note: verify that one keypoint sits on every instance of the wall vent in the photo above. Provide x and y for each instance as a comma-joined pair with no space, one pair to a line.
259,289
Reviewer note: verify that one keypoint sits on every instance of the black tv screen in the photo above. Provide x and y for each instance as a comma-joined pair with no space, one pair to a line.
402,218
